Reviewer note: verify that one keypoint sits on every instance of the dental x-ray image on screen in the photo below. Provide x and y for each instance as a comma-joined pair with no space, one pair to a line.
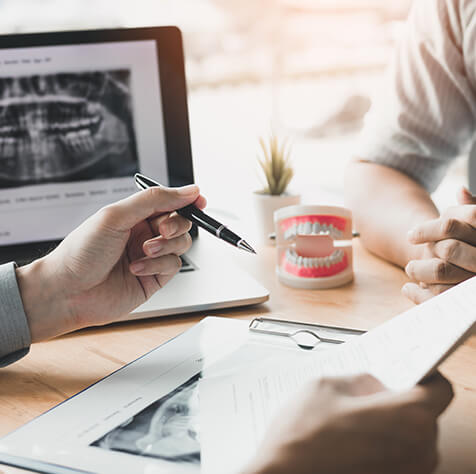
67,126
167,429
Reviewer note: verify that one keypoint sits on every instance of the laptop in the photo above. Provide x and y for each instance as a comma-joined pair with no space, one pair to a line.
80,113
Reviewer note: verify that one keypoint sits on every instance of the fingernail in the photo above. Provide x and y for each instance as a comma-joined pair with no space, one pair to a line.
170,228
137,267
154,247
187,190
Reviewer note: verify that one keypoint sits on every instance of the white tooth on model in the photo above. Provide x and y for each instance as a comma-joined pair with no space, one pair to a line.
315,228
314,262
289,232
307,228
335,232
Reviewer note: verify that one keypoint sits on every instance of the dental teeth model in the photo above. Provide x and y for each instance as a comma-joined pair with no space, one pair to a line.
314,246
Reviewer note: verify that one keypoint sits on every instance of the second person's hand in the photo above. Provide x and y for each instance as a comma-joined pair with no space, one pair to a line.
449,251
355,426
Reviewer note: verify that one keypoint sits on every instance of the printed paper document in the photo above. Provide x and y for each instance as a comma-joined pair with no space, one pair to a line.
235,410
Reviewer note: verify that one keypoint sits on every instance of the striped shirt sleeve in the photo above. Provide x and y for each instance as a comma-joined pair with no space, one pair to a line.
424,117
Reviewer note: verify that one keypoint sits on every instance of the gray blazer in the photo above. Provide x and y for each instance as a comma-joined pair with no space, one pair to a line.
15,338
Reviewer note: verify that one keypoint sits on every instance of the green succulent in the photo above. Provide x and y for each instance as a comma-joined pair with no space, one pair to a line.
275,164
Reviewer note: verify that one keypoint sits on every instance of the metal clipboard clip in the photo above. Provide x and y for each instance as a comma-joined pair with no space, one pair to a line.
306,336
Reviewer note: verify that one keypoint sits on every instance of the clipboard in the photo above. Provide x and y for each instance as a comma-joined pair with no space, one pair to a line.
306,336
85,432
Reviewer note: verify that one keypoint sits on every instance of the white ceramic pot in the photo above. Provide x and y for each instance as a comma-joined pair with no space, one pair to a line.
265,205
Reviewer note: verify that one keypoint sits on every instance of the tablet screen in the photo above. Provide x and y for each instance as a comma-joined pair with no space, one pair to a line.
76,122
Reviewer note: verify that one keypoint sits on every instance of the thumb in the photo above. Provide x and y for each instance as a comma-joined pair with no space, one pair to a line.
435,393
125,214
465,197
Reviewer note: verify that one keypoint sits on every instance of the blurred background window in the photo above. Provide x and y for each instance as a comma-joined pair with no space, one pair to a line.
304,68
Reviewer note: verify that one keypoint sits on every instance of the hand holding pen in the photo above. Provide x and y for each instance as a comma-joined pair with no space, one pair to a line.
109,265
198,217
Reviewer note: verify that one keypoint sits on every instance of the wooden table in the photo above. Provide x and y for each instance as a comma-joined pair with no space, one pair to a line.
58,369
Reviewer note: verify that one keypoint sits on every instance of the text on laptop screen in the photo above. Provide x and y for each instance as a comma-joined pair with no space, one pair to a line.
76,122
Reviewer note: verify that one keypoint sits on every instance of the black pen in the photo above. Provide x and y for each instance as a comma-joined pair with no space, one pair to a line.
198,217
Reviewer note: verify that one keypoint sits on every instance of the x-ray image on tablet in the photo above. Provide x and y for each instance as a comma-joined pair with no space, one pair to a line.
167,429
145,418
66,126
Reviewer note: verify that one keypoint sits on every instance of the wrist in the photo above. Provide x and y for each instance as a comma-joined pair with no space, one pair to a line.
44,304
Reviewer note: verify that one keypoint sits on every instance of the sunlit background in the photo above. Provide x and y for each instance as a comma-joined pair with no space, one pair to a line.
303,68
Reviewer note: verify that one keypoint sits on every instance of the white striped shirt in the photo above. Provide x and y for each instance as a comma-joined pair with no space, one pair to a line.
425,116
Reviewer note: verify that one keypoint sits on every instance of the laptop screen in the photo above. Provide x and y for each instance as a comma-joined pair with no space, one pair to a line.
76,122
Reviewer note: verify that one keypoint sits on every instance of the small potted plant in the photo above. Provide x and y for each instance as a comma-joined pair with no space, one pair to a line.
278,172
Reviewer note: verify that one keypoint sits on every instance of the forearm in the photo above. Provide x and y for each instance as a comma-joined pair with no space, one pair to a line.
386,204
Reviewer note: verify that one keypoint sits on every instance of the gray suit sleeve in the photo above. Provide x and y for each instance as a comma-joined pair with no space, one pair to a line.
15,336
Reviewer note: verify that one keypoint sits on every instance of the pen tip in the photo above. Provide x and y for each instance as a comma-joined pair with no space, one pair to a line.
242,244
